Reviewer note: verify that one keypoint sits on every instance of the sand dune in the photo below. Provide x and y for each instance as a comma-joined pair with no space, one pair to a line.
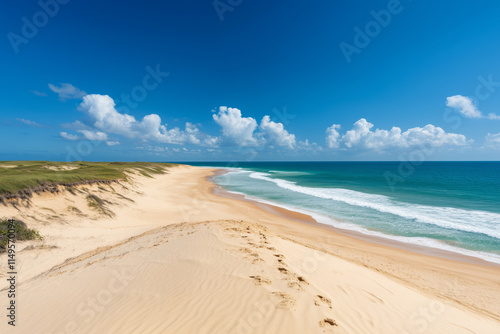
173,258
228,277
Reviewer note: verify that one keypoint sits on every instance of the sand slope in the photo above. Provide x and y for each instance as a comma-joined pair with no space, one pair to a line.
227,277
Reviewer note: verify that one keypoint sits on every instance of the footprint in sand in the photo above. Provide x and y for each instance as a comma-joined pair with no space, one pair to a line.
297,282
319,299
294,281
245,250
327,322
256,258
302,280
260,280
281,262
283,270
286,301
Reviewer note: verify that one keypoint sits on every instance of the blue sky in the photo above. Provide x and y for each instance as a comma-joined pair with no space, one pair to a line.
253,80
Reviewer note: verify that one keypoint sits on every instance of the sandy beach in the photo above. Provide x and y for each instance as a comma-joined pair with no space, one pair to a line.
176,254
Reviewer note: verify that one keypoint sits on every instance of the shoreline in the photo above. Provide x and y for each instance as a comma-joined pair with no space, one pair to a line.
307,219
459,282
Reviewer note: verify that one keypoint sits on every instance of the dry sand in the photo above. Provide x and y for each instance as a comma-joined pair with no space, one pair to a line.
166,255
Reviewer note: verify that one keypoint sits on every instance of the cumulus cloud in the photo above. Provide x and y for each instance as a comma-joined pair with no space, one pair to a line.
101,109
244,131
307,146
68,136
30,123
67,91
332,136
91,135
235,128
362,136
276,134
464,105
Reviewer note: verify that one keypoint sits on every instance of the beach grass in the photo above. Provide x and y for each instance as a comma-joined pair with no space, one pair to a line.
20,175
21,232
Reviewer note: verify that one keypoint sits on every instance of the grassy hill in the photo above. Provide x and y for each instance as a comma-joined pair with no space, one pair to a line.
20,177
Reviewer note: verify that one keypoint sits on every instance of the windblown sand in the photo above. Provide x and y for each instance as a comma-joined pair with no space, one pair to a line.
168,256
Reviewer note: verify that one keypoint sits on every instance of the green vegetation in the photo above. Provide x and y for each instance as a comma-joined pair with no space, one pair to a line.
21,233
96,203
23,177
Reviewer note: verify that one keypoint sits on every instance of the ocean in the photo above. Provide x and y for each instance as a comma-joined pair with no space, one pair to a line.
453,206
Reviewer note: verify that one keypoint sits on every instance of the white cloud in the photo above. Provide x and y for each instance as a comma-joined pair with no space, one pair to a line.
432,135
236,129
102,111
75,126
332,136
211,141
68,136
493,140
307,146
362,136
464,105
67,91
152,148
28,122
90,135
242,131
276,133
112,143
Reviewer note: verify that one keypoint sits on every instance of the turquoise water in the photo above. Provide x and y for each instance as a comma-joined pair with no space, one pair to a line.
448,205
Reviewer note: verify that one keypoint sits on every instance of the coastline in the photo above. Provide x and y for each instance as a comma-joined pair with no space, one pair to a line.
307,219
194,251
428,270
